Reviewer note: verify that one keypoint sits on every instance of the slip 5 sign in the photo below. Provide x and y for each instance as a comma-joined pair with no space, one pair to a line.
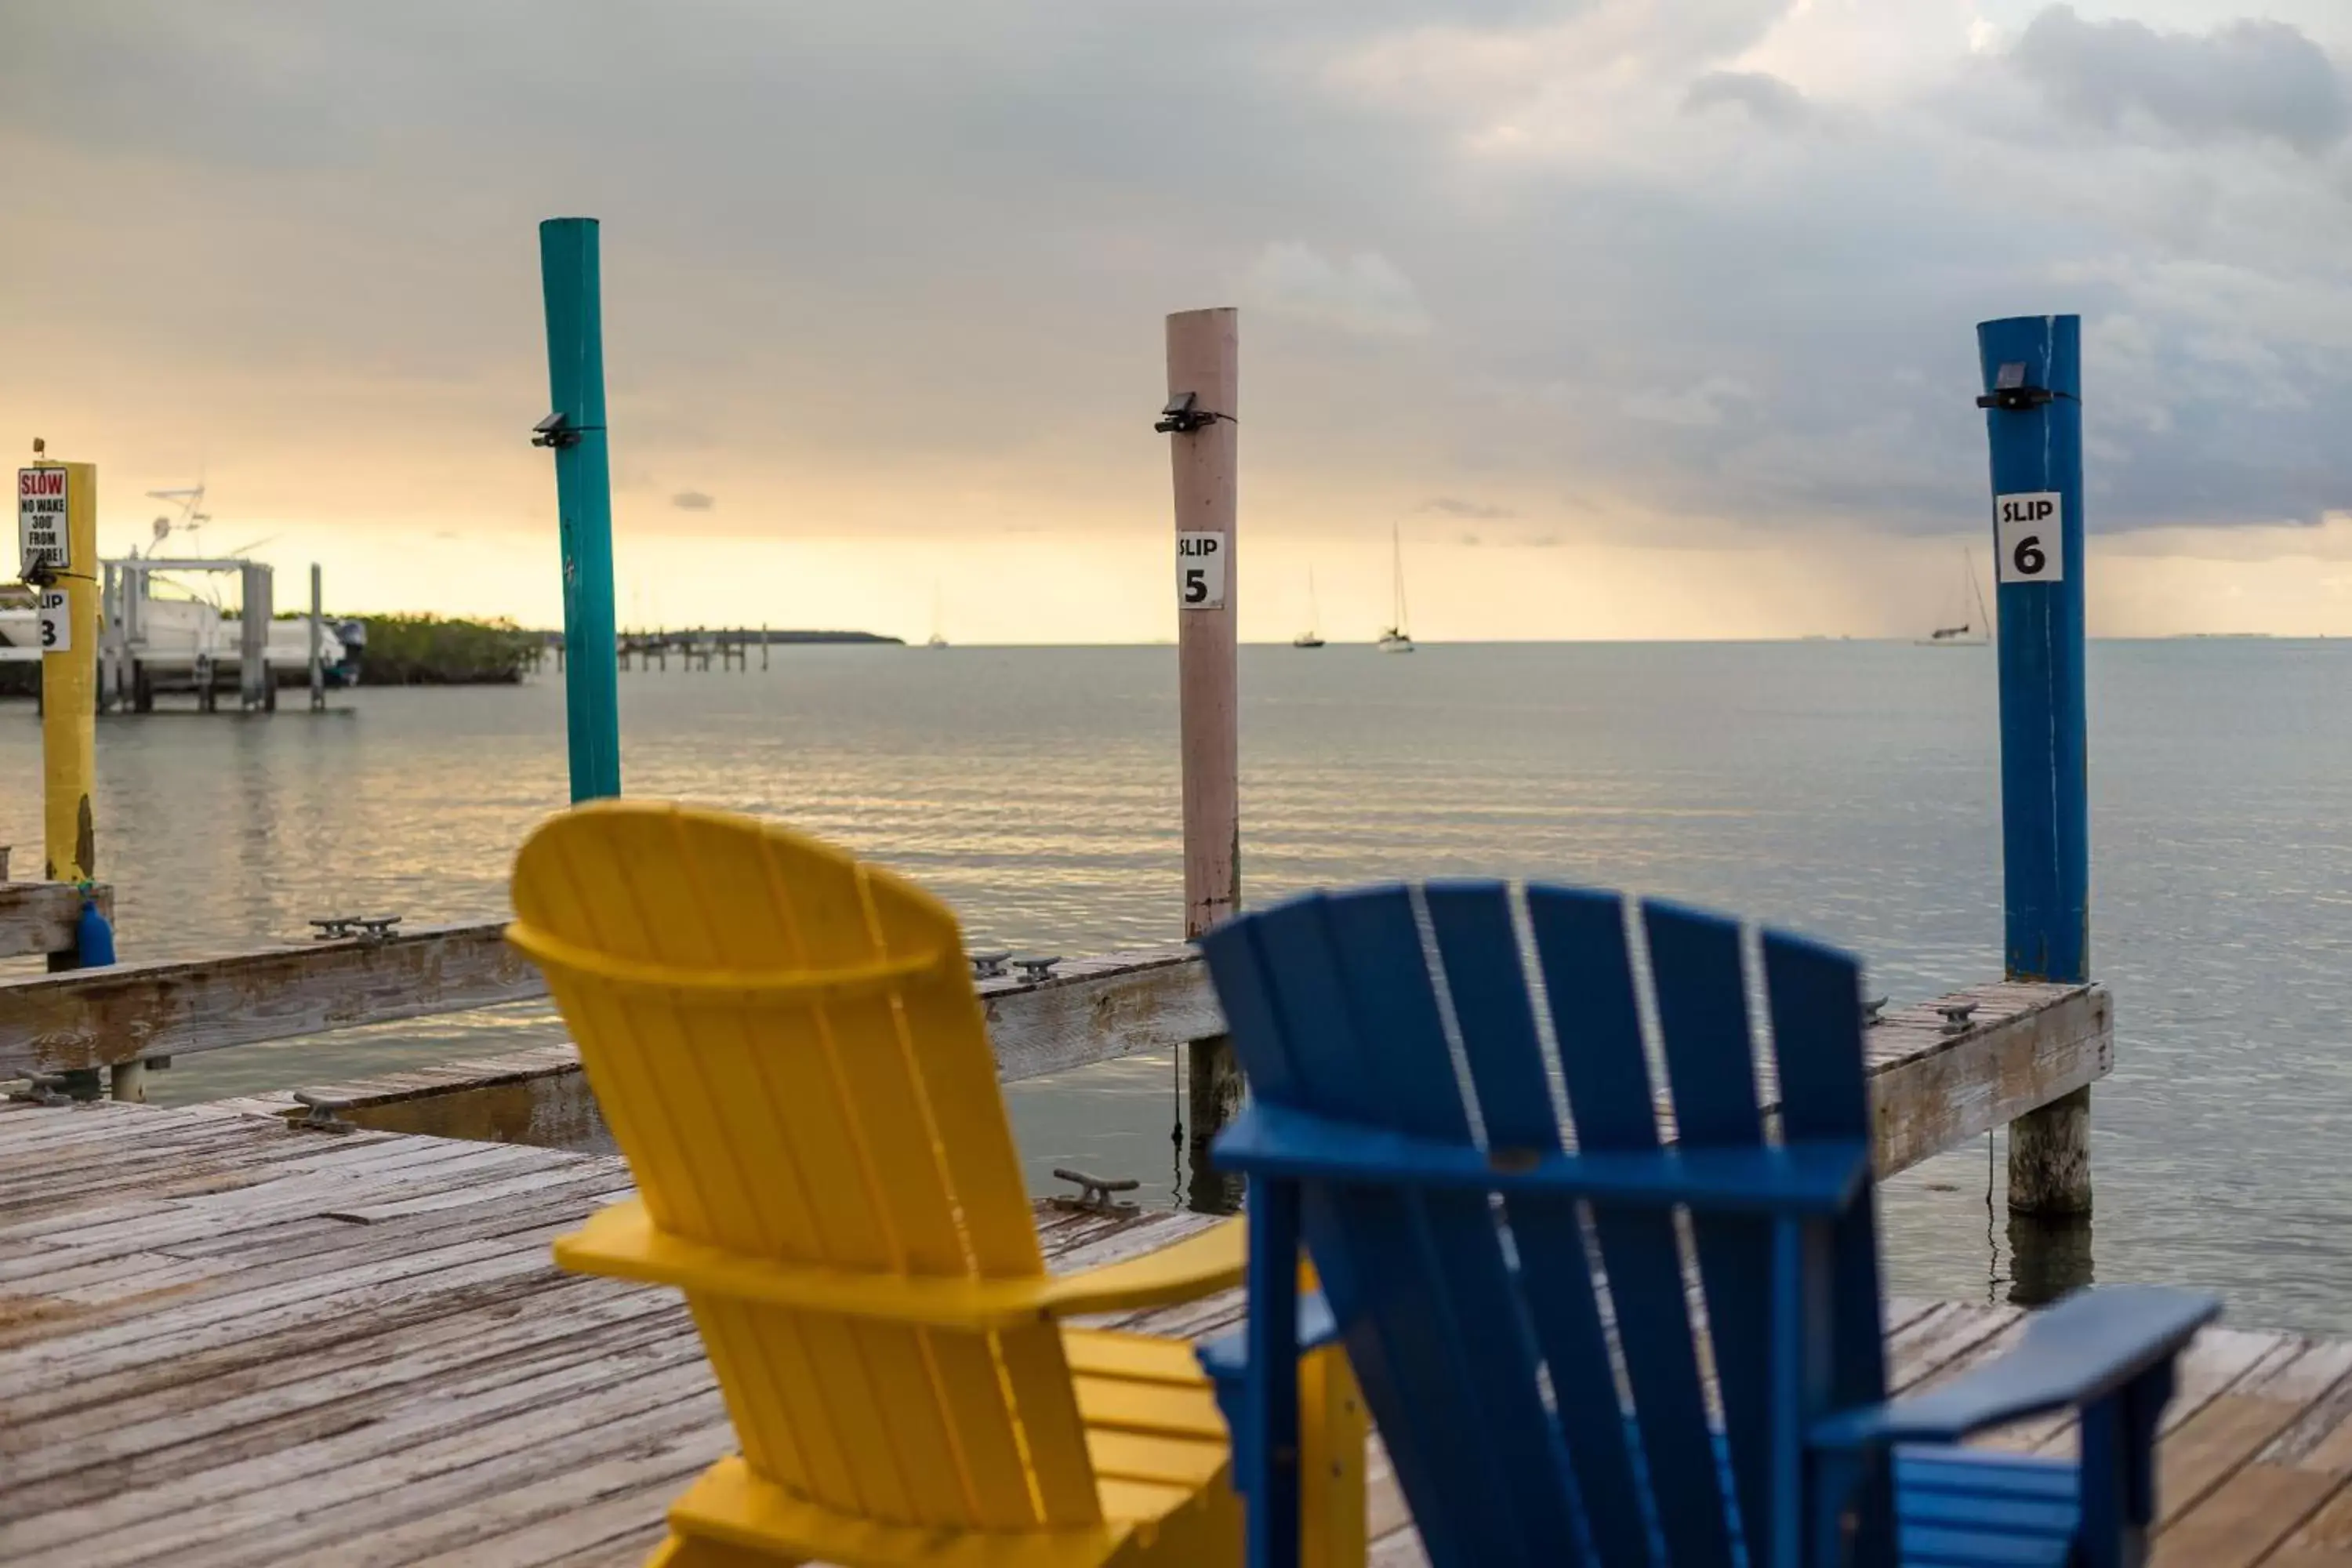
2028,537
42,537
1201,571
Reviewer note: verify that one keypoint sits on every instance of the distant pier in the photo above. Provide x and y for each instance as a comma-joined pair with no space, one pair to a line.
720,648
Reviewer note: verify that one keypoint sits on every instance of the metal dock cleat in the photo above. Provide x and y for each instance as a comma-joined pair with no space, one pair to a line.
1034,969
1956,1016
1095,1193
43,1089
988,965
366,929
318,1114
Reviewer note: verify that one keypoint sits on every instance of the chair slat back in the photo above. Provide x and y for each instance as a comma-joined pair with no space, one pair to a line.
787,1046
1542,1384
1587,965
1357,1034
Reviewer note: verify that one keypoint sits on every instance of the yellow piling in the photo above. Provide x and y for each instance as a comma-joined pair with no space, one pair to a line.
59,537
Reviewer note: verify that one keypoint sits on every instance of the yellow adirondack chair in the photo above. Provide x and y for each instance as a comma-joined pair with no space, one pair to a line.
787,1045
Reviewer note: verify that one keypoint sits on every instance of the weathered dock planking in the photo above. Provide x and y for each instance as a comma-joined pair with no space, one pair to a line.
222,1343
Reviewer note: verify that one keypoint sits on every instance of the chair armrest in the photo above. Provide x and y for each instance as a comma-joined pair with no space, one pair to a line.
1200,1265
2086,1347
1809,1176
622,1241
1226,1358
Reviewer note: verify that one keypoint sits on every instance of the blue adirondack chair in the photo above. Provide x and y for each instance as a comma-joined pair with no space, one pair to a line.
1541,1385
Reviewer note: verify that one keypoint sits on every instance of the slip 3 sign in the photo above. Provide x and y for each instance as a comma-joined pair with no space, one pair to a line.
2028,537
56,621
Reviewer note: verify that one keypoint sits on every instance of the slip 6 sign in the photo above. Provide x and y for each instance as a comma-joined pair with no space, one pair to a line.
42,537
2029,535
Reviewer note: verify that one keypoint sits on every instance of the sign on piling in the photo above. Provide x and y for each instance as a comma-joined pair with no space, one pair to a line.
43,540
1201,571
2029,537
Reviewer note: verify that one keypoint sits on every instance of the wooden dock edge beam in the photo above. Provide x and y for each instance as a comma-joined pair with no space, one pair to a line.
2026,1046
170,1007
1088,1010
2032,1046
39,916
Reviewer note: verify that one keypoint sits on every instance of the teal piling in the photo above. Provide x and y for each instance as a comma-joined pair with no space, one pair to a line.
571,277
2033,399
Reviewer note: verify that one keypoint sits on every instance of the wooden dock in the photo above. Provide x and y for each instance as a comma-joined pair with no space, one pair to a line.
226,1342
1942,1071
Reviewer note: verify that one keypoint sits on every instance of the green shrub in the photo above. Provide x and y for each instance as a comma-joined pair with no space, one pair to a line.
428,650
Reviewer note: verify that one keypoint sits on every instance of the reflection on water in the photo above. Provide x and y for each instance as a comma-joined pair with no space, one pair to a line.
1846,789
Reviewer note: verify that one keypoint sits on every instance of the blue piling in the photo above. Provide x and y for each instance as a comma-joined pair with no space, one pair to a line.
2032,368
2034,422
570,275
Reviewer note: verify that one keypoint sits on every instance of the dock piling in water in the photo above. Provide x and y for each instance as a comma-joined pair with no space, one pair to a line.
318,643
572,279
1200,418
257,692
66,578
2033,422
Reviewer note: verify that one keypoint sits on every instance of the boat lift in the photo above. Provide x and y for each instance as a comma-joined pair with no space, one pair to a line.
132,658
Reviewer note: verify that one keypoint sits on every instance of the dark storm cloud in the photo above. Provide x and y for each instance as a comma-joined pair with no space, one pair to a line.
2250,79
893,233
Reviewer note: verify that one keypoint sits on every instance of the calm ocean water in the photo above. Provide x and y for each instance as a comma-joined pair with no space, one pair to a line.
1846,789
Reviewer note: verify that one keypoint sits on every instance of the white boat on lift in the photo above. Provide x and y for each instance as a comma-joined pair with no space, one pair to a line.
184,636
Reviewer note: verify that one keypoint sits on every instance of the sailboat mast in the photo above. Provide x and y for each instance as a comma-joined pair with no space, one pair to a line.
1984,617
1396,570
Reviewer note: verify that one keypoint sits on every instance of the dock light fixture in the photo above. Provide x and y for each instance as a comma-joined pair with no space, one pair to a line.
555,431
1181,417
2011,391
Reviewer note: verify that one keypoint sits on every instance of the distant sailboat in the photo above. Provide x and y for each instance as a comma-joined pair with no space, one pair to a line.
1310,637
1393,638
1970,633
938,640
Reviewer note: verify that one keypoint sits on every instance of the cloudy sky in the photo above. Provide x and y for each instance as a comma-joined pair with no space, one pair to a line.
1641,318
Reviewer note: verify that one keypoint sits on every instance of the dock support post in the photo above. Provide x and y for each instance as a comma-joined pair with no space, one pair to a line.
1203,403
255,688
764,646
317,642
109,617
571,275
69,682
69,590
1213,1098
2032,368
